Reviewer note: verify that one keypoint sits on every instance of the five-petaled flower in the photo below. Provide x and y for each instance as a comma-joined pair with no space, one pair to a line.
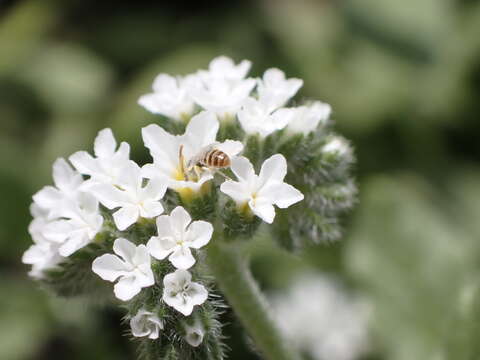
257,117
176,235
146,323
79,226
170,97
274,90
223,87
181,293
54,199
131,266
43,254
194,333
105,167
133,199
261,191
307,118
165,150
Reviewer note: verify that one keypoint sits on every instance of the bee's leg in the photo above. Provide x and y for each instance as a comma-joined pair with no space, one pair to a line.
181,160
221,173
198,171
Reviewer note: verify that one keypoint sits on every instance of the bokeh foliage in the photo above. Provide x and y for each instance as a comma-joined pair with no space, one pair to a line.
404,82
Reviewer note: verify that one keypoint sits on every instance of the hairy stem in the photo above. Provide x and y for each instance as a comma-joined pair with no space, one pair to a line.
244,296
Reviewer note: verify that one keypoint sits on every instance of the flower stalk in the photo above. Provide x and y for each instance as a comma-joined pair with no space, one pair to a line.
243,295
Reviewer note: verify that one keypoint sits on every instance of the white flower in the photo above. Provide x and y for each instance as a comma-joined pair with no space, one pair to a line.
194,334
176,235
336,144
256,117
106,165
131,267
261,191
79,229
320,318
43,254
146,323
133,199
275,90
222,88
181,293
170,97
165,150
306,118
222,67
53,199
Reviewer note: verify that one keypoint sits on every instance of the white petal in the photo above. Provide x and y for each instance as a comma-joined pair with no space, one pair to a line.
199,234
109,195
178,304
126,216
195,186
242,90
163,146
177,279
84,163
33,254
139,326
105,143
141,256
150,102
144,276
126,249
263,209
155,189
201,131
242,168
146,323
164,82
151,209
47,197
230,147
64,176
126,288
74,242
130,176
57,231
282,117
273,169
164,228
179,219
160,248
283,195
182,258
238,191
123,153
88,203
194,335
198,293
109,267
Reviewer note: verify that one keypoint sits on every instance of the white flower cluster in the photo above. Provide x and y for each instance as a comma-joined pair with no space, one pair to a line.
224,90
319,317
68,216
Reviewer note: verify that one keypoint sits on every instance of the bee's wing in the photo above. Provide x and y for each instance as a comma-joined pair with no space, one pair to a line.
230,147
194,160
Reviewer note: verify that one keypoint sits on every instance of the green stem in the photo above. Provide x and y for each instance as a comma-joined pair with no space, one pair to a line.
244,296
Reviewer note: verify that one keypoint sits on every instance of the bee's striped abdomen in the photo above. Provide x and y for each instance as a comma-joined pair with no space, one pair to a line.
216,159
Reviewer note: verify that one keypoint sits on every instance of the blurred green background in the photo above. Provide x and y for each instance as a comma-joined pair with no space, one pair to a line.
403,78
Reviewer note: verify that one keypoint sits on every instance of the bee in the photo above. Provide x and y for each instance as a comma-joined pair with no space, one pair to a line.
209,157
